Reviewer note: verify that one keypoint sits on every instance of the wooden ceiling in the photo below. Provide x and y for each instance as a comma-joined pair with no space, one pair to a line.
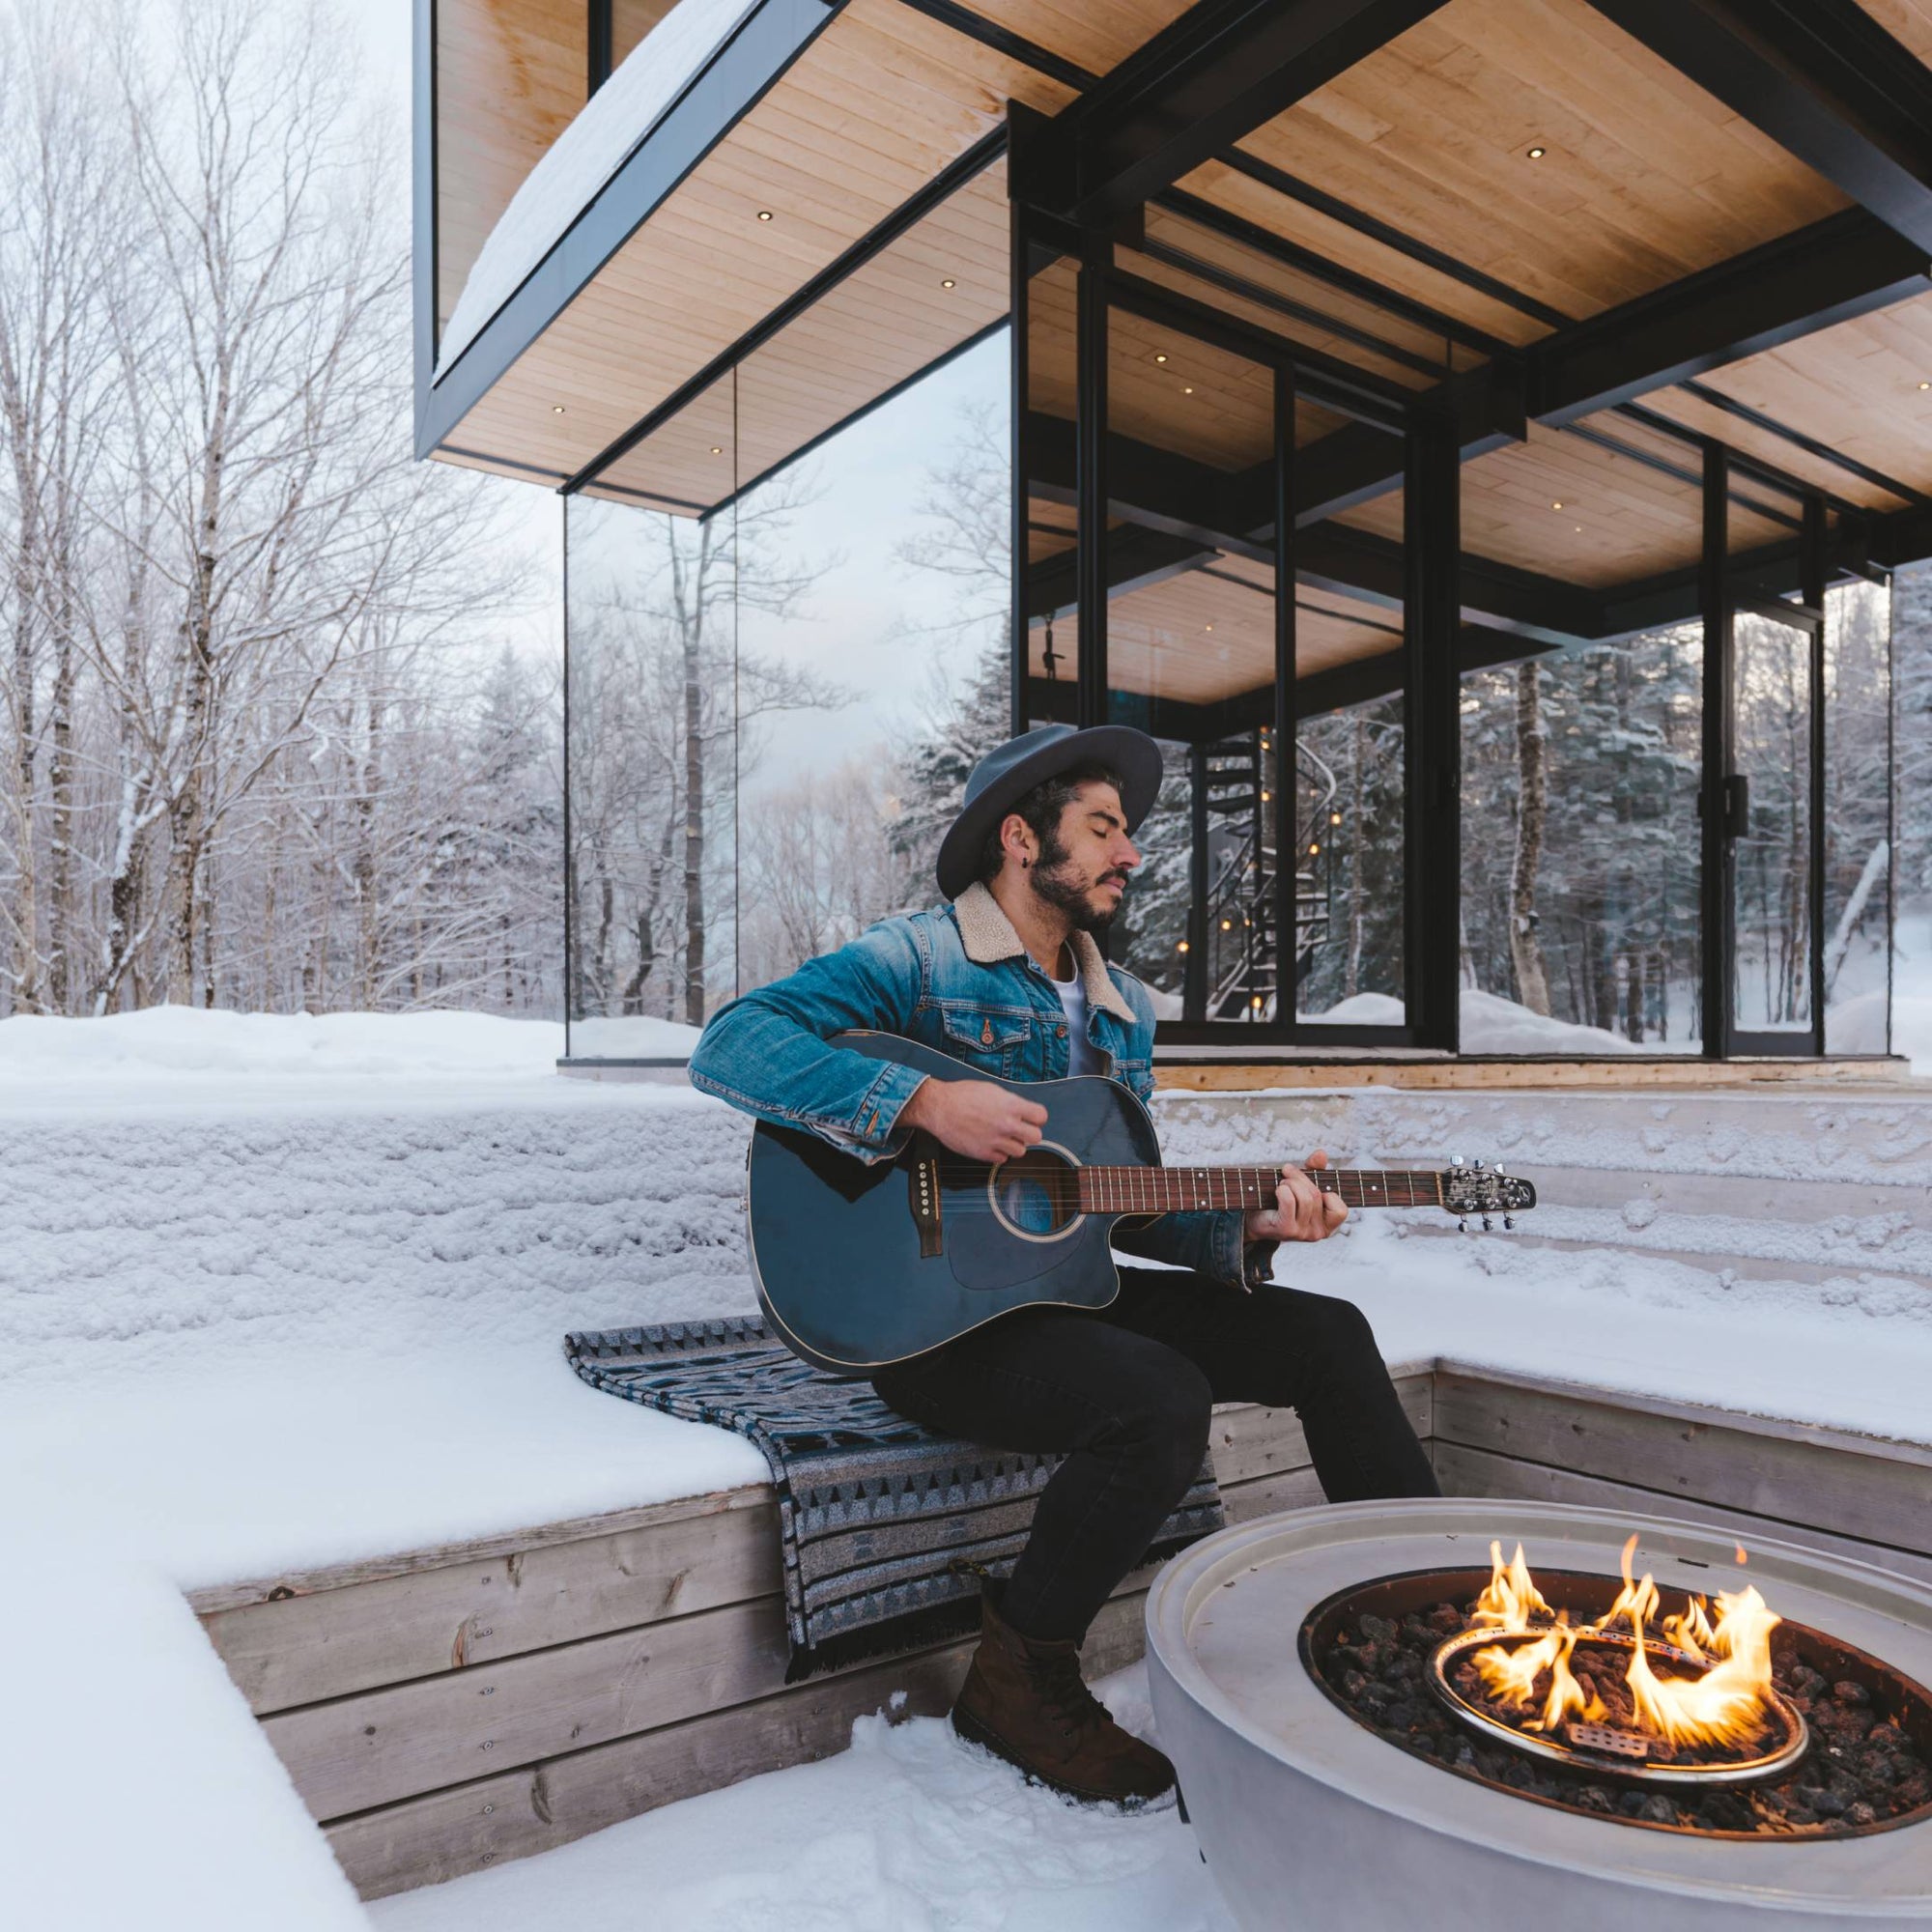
1644,178
889,320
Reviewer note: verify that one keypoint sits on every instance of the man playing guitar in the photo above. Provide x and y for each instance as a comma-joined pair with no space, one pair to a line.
1007,979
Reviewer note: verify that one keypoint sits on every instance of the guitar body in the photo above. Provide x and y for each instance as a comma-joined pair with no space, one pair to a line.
860,1265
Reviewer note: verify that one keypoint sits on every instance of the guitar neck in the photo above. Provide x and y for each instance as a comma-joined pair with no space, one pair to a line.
1174,1190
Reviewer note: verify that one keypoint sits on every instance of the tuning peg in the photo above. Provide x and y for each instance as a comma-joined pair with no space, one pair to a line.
1488,1226
1462,1224
1509,1224
1455,1160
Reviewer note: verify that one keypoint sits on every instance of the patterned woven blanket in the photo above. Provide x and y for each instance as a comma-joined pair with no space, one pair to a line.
886,1528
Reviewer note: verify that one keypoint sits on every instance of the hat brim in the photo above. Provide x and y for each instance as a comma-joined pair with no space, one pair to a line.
1132,754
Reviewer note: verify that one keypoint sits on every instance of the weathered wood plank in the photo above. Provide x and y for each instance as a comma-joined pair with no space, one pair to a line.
332,1643
303,1648
1465,1471
1250,1441
300,1581
1772,1475
441,1836
389,1744
1813,1433
392,1742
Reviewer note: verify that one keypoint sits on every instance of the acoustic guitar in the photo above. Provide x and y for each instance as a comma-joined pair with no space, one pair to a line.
859,1265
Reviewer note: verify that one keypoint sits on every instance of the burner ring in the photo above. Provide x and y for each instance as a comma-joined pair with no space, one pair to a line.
1795,1741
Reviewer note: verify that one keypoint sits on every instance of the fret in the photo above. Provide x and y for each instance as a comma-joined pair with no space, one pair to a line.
1168,1190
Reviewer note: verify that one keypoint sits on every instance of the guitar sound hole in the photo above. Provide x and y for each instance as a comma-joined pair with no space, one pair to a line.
1038,1195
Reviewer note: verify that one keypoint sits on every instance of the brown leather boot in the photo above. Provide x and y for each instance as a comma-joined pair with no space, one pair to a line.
1025,1700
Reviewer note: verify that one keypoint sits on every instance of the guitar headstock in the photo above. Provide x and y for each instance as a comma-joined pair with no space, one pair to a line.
1474,1187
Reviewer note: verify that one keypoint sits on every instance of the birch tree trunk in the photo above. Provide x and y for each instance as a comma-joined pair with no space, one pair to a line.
1532,804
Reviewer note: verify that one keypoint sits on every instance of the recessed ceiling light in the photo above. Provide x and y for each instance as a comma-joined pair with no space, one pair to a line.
947,283
718,449
1537,153
764,214
1187,390
1556,506
1579,530
556,409
1160,359
1206,626
1925,385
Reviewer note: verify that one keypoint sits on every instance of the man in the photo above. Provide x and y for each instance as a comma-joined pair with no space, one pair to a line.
1007,979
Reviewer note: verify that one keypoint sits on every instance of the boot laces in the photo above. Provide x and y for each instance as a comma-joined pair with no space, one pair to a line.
1064,1695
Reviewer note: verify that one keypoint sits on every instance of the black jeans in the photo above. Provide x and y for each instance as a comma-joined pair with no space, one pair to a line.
1127,1391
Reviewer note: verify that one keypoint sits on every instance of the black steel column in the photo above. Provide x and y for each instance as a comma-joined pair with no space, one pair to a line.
599,11
1286,770
1019,309
1431,730
1714,596
1814,593
1090,484
1194,981
423,268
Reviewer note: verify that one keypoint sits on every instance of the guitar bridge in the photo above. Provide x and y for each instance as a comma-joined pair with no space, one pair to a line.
922,1186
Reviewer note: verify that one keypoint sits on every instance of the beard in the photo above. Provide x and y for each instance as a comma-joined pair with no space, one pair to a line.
1054,880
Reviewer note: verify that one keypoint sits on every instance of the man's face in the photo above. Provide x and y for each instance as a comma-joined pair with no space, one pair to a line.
1083,864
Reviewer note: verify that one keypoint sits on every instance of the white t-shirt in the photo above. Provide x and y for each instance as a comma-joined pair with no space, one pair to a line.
1082,1057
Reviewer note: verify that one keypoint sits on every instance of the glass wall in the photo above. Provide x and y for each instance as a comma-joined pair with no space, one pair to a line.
1581,930
1860,839
772,708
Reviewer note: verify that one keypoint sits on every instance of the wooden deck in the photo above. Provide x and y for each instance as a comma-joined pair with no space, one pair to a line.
450,1708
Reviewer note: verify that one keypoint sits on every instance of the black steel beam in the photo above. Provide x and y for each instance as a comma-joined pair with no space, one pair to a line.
1716,848
424,270
1090,486
599,36
1211,76
1845,266
1821,77
1433,724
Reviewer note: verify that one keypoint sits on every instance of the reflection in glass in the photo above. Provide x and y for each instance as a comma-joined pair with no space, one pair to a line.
1857,817
1581,912
1772,855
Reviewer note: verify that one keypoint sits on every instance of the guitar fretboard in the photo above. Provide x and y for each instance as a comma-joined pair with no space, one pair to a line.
1176,1190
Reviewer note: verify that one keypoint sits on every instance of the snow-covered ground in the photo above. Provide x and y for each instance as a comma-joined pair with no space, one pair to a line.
279,1293
910,1831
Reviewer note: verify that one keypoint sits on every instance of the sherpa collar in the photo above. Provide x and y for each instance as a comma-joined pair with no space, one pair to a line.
988,936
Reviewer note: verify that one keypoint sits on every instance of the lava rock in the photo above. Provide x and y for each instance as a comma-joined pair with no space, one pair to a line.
1658,1810
1727,1811
1806,1682
1825,1803
1379,1630
1594,1798
1849,1692
1401,1713
1861,1814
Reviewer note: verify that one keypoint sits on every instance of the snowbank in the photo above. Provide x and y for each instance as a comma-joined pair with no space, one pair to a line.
573,171
180,1053
137,1790
1491,1024
635,1038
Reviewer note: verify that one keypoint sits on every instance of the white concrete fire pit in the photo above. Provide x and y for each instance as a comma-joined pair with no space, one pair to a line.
1310,1818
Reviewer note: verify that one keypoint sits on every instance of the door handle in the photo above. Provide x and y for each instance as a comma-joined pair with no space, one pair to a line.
1737,806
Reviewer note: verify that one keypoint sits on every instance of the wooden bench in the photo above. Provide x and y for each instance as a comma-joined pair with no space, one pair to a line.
451,1708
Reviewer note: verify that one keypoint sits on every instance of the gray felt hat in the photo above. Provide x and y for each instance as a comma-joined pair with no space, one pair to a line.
1009,771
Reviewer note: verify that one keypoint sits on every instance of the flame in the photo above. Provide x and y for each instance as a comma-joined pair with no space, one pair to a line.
1725,1705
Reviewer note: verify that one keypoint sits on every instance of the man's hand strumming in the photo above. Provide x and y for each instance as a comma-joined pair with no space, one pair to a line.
975,1117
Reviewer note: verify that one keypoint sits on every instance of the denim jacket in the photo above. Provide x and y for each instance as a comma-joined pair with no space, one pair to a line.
957,980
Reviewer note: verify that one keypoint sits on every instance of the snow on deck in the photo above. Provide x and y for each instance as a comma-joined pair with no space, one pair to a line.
276,1292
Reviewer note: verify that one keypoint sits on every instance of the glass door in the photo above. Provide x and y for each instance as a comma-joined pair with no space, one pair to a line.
1771,813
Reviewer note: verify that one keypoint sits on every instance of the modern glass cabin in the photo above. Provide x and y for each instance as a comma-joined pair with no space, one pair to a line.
1478,440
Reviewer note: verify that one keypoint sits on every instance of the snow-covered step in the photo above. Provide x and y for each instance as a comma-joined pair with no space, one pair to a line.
1832,1188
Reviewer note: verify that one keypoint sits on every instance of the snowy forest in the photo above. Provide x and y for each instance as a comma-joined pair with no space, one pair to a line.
264,744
